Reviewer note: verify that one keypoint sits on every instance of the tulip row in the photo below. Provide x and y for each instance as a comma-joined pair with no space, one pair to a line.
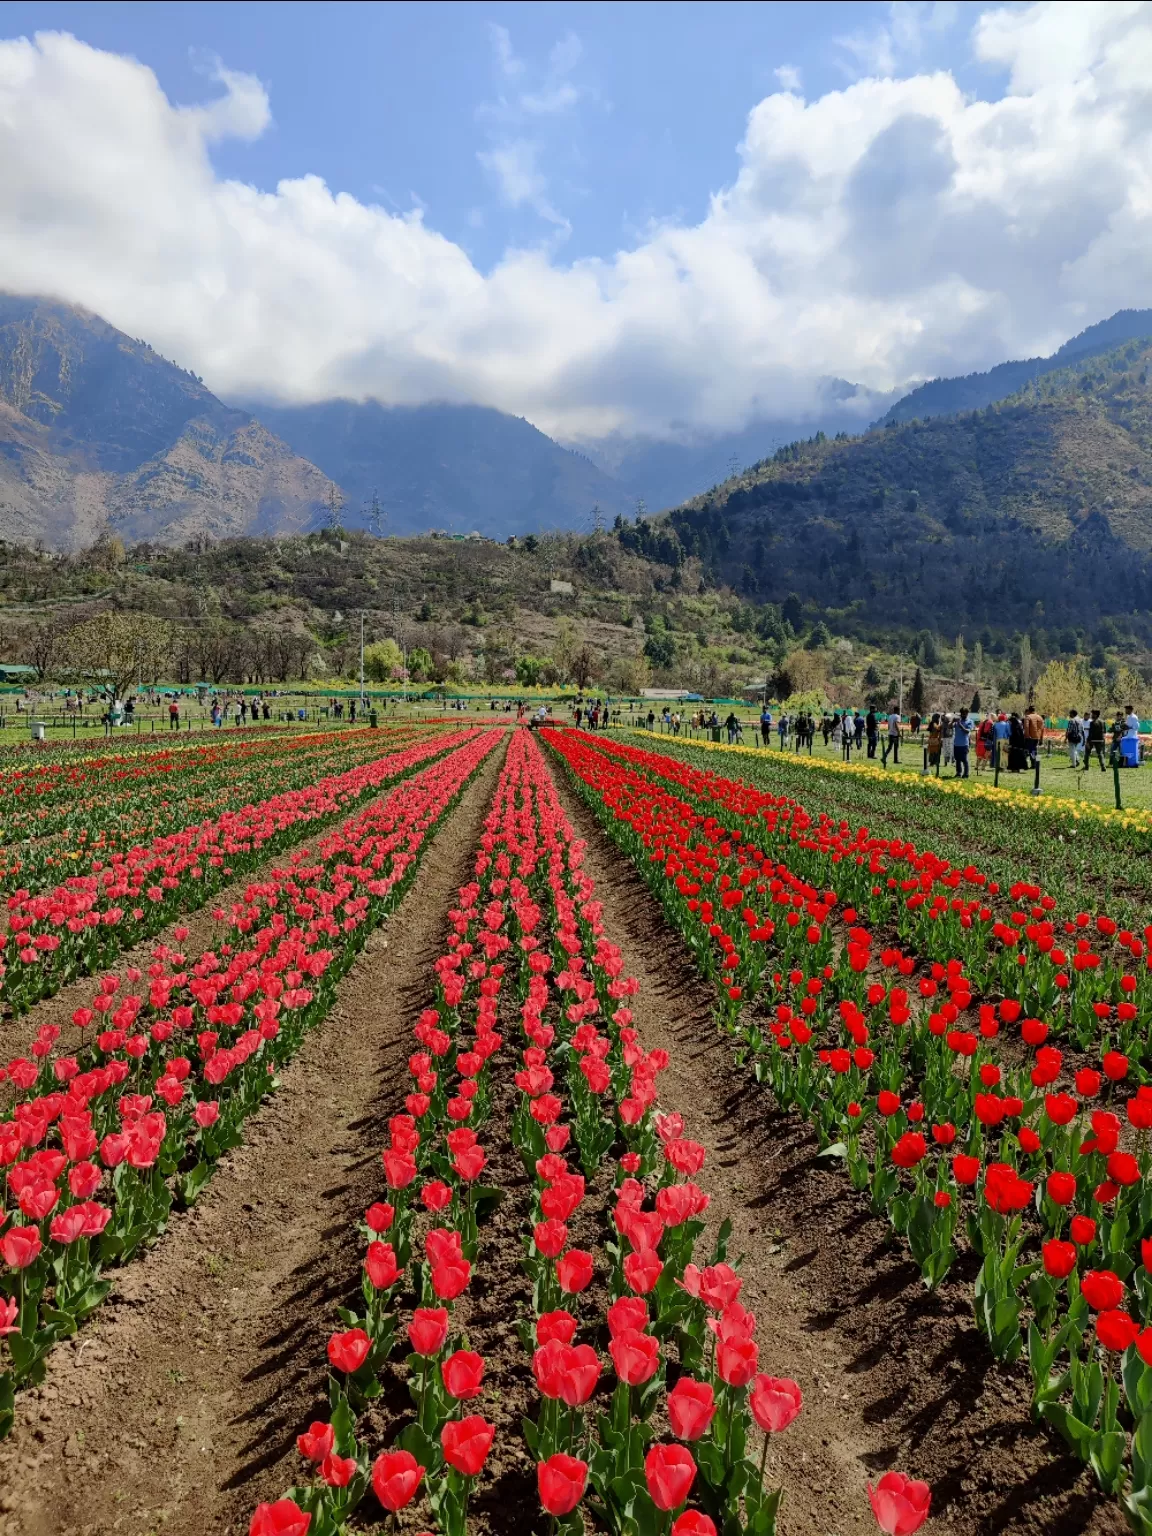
681,1345
82,924
94,1163
95,807
818,1003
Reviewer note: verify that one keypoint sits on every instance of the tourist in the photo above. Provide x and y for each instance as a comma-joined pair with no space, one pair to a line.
892,748
1033,734
765,725
961,735
1074,736
872,725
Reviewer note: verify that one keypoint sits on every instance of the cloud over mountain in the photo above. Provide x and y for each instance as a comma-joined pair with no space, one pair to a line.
892,229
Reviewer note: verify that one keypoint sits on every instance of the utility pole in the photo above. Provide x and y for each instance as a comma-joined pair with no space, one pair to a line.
361,661
900,699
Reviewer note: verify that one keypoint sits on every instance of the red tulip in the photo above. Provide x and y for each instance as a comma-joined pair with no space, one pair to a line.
1082,1230
1061,1188
775,1401
669,1471
381,1266
561,1481
899,1503
642,1270
317,1442
450,1278
691,1406
379,1217
396,1476
580,1373
693,1523
636,1356
348,1351
466,1443
1116,1330
284,1518
1101,1289
574,1271
1059,1259
550,1237
436,1196
20,1247
428,1330
338,1471
909,1150
736,1361
555,1325
627,1314
463,1372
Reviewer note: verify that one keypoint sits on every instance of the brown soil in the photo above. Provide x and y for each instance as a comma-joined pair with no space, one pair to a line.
177,1408
892,1377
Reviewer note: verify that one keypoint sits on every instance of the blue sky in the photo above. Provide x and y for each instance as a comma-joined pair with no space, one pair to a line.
620,113
657,219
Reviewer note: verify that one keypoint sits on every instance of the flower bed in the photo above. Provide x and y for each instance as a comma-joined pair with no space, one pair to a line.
81,924
646,1364
104,1138
978,1063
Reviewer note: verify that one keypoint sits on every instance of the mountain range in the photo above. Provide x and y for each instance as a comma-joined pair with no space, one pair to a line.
1034,512
98,432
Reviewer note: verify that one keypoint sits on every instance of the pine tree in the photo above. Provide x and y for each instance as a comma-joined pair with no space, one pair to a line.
916,697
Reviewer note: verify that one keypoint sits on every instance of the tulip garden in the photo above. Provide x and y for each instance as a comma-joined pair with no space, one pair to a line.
965,1048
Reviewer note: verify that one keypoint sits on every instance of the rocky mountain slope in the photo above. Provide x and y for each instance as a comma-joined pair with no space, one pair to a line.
97,432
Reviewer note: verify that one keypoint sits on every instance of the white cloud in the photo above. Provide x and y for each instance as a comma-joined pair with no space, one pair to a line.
889,230
521,120
790,78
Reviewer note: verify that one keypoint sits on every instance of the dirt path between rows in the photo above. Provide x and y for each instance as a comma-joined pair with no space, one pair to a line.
892,1377
177,1409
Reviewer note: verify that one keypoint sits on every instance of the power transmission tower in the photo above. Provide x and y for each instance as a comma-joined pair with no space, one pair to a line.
335,506
733,466
377,517
641,509
597,519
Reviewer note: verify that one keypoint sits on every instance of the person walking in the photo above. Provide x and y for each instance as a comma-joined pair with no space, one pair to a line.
892,747
1033,734
782,729
858,728
765,725
1095,742
961,736
935,738
1074,737
985,741
173,716
872,725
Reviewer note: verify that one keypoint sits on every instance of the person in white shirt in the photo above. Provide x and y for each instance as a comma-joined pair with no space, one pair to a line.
1132,722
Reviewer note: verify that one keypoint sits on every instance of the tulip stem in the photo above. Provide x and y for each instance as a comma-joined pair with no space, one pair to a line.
763,1459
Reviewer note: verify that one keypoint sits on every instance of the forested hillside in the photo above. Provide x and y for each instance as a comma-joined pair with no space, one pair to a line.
1033,513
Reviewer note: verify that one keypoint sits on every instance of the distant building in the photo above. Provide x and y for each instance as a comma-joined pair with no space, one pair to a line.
16,672
563,588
